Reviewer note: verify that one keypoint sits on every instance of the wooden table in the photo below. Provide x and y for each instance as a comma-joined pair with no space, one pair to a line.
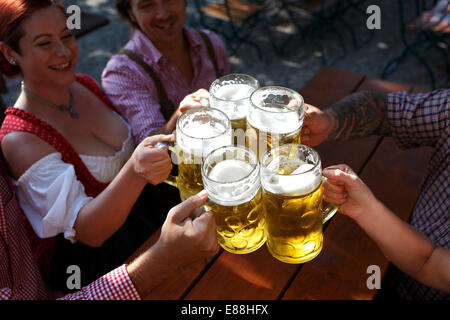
340,270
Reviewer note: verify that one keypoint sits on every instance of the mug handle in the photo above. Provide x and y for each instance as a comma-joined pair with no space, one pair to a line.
330,210
171,179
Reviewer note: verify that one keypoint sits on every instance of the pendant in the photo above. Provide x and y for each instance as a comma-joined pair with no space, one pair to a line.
73,113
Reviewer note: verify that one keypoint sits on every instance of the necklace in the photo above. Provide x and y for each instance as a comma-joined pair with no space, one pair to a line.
73,113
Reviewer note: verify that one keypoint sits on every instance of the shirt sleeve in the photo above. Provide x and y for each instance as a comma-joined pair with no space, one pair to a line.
419,119
133,94
5,293
51,196
115,285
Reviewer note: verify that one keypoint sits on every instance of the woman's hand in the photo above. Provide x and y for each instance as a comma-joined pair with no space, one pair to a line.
152,165
194,100
343,187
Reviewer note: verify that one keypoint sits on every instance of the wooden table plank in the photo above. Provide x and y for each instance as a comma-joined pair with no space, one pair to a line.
258,275
252,276
339,272
329,85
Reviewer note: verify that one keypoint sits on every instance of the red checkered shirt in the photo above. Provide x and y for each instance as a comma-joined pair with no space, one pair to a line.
20,277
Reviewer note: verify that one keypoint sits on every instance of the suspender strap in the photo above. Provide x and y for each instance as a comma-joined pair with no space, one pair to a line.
167,106
211,52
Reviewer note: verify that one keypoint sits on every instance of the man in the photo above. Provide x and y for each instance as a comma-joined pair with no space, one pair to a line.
413,120
188,234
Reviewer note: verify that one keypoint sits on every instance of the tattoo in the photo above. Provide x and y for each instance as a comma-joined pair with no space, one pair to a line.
360,115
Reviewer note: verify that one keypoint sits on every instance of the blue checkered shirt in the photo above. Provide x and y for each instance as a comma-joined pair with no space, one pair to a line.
424,120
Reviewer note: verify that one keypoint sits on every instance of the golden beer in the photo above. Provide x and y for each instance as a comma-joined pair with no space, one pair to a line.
189,179
262,141
294,225
240,228
199,131
235,199
275,118
291,176
231,94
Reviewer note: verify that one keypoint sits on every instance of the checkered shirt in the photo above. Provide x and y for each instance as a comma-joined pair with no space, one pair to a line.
423,120
20,277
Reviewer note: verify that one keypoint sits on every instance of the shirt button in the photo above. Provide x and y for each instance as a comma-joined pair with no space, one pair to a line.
20,287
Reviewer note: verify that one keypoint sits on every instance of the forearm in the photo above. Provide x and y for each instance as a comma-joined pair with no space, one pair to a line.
359,115
404,246
105,214
149,269
436,271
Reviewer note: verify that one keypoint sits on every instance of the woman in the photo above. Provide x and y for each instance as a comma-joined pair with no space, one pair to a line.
77,171
162,63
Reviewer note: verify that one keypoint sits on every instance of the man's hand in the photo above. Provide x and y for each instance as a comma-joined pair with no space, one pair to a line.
317,125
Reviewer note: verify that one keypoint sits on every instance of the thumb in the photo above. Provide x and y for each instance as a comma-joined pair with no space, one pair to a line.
189,206
341,176
152,140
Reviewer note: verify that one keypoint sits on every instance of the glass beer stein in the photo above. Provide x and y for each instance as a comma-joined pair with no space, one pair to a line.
231,94
275,117
198,132
231,177
291,178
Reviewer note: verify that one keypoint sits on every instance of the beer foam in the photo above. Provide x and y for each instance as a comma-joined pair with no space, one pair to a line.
228,188
202,139
233,100
230,170
294,183
202,130
275,123
234,91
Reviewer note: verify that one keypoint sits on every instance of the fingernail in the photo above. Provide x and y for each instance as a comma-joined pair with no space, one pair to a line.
202,193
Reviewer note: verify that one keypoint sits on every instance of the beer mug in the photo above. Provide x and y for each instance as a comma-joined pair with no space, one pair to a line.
231,94
198,132
231,178
275,117
291,178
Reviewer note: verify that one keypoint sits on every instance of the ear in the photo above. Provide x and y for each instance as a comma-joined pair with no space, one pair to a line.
9,53
131,15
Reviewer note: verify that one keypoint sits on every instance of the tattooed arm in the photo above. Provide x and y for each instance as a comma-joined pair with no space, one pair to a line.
359,115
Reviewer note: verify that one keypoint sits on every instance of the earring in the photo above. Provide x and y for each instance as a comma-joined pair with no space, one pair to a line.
13,62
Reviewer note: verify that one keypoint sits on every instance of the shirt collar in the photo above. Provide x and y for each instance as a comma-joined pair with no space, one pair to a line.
194,39
144,46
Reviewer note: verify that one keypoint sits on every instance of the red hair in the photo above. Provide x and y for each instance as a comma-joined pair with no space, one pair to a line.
12,14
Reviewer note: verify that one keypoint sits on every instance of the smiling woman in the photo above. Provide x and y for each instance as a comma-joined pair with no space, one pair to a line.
78,174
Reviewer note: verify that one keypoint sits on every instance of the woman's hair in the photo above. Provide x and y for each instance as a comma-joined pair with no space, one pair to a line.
12,14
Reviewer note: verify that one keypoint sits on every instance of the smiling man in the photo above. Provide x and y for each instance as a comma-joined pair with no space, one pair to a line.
183,61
